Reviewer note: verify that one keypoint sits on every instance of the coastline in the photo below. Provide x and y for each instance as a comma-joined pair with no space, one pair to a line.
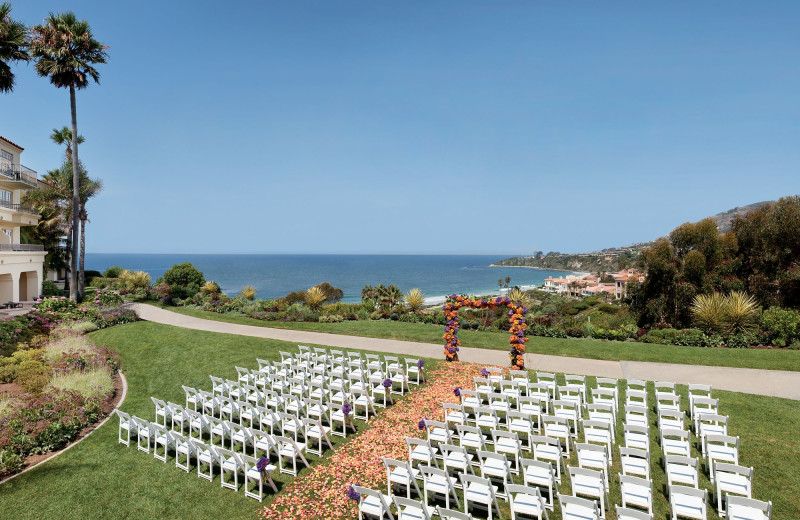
539,268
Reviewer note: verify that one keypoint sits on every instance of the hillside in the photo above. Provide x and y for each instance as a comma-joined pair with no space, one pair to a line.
613,259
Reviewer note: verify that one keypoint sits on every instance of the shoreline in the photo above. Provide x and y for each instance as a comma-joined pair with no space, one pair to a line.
540,268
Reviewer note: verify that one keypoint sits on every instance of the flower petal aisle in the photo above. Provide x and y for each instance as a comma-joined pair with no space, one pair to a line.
322,492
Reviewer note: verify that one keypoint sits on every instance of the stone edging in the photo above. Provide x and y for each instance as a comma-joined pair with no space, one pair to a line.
56,454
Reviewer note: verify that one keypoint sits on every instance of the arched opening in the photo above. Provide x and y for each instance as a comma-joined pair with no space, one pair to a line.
23,287
32,286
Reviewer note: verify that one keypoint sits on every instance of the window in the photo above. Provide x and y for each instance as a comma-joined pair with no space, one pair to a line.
5,155
5,196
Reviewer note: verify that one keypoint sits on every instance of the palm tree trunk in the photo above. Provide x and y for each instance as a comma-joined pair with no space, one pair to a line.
68,285
73,275
81,277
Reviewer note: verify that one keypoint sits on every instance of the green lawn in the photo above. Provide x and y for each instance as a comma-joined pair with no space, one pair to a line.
100,478
584,348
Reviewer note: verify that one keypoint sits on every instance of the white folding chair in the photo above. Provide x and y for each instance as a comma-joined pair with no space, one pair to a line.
636,415
438,432
541,475
721,448
162,437
592,456
675,442
637,437
688,502
508,444
452,514
478,490
576,508
741,508
589,483
183,448
599,433
522,424
290,449
414,370
262,442
314,430
471,437
163,415
373,503
547,449
627,513
230,463
455,459
192,399
401,473
437,481
558,428
682,470
421,452
635,462
710,424
125,425
251,473
637,492
495,466
206,454
408,509
731,479
524,500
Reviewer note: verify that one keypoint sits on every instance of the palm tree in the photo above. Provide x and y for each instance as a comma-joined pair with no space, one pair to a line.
64,137
66,52
12,46
88,189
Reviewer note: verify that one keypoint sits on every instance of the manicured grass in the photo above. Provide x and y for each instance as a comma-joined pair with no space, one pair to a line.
100,478
771,359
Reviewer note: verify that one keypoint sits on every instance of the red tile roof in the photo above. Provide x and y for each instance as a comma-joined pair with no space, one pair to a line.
11,142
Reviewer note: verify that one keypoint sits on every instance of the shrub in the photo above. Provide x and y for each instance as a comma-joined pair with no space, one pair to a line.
32,376
10,462
740,340
83,326
248,292
110,318
133,280
414,299
113,272
103,298
49,288
716,312
575,332
331,318
57,305
376,315
332,294
780,324
183,275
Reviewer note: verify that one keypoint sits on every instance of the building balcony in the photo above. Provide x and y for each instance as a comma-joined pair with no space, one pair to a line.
36,248
21,208
19,175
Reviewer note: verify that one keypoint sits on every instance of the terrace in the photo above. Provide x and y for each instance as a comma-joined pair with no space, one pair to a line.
18,173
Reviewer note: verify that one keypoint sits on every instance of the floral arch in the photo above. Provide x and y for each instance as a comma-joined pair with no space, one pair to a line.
516,315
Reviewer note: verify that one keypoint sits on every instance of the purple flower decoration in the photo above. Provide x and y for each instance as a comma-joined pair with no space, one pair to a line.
346,409
484,372
457,391
387,383
422,424
261,465
420,364
352,494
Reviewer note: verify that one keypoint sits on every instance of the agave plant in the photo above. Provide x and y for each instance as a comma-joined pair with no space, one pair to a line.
519,297
742,310
315,297
415,299
709,312
210,288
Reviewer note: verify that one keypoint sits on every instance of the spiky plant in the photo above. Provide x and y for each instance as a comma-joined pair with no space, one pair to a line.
315,297
415,300
741,309
210,288
248,292
709,312
519,297
133,280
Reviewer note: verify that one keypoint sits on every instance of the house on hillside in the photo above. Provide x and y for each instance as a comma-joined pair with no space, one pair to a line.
21,265
621,280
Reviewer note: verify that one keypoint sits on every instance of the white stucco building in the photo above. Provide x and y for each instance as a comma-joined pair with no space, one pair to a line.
21,265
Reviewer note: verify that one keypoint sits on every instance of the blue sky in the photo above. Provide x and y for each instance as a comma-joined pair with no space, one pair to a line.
420,127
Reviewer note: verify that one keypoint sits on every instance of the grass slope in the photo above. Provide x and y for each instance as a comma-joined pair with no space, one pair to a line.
770,359
101,479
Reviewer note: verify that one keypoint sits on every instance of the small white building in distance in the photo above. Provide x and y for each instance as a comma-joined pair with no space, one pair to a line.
21,265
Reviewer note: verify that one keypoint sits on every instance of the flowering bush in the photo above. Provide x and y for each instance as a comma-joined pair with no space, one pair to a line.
516,316
103,298
109,318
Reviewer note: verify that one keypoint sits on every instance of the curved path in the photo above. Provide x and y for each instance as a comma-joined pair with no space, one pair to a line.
774,383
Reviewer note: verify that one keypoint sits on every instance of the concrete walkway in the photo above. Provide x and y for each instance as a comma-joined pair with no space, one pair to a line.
774,383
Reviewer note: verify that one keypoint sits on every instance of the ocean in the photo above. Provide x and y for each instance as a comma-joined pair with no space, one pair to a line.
274,276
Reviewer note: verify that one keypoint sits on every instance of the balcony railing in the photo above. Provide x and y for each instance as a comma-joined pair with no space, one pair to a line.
18,172
22,208
21,247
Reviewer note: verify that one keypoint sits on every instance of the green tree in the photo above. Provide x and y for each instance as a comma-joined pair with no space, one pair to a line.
13,46
64,137
66,52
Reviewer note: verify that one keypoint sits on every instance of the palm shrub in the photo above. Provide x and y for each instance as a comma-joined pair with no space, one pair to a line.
415,300
210,288
520,297
315,297
12,46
